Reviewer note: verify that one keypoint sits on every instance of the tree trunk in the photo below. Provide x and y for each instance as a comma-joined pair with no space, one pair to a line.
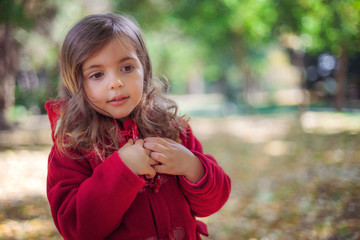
241,54
8,63
340,78
297,59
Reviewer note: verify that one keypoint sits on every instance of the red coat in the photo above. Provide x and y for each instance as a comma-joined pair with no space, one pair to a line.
91,199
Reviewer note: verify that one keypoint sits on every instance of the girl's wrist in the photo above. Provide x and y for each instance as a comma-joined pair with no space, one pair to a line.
196,171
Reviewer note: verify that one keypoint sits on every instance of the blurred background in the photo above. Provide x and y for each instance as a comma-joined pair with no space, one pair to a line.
272,88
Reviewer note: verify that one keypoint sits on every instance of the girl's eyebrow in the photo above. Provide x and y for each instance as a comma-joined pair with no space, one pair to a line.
99,65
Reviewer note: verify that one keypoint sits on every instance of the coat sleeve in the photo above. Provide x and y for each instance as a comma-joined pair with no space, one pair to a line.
87,204
212,191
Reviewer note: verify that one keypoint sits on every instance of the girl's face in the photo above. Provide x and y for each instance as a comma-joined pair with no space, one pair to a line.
114,79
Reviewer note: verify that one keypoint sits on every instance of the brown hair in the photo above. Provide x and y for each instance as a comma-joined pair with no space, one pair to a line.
82,128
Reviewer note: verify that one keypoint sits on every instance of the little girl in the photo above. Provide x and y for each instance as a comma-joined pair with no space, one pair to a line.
124,165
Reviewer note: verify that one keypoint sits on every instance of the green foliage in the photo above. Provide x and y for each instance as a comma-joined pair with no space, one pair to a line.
225,39
12,12
150,14
26,14
35,98
229,35
224,25
323,25
174,55
252,19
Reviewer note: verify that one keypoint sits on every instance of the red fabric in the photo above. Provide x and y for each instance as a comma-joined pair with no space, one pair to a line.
91,199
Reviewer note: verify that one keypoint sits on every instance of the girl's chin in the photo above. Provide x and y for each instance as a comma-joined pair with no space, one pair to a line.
120,116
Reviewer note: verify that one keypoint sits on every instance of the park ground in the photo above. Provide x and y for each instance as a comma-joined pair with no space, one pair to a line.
293,177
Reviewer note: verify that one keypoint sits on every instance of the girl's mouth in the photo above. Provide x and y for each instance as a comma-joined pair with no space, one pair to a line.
118,100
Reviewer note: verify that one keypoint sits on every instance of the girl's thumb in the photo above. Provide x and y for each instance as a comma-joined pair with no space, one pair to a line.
129,142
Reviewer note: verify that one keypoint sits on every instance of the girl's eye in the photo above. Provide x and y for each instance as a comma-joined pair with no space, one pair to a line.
127,68
97,75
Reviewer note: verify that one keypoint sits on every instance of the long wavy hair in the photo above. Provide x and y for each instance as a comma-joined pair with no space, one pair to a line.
84,129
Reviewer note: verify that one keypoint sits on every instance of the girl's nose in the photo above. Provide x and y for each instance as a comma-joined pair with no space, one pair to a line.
116,82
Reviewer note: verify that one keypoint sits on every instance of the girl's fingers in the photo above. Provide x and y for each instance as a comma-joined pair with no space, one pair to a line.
154,146
159,140
161,169
129,143
159,157
147,152
139,142
154,139
152,162
151,173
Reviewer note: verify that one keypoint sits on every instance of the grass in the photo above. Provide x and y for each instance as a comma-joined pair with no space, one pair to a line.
290,180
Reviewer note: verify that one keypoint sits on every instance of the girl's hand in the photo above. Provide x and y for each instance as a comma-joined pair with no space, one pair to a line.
137,158
174,158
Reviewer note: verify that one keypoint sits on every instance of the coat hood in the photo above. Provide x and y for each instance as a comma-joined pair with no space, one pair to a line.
53,109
